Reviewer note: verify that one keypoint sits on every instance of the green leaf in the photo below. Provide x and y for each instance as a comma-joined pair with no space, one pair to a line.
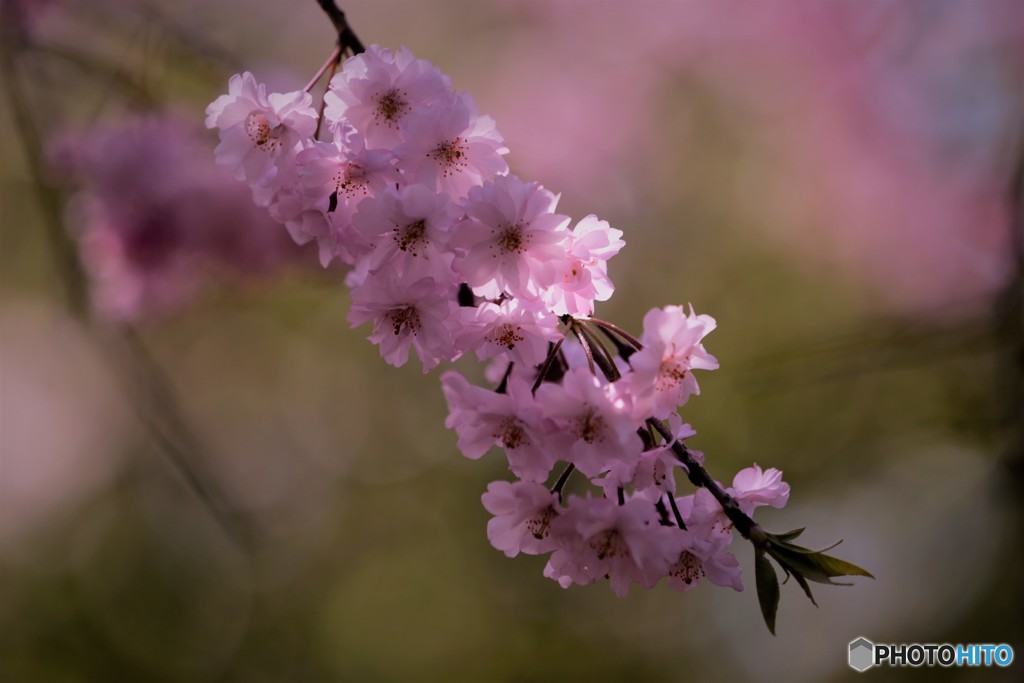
807,589
814,565
789,535
767,589
800,549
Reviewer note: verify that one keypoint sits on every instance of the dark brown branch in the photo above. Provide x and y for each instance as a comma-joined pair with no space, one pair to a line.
700,477
346,36
608,367
564,477
548,362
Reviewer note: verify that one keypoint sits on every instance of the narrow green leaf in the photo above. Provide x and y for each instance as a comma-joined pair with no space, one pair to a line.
836,567
789,535
767,589
800,549
807,589
814,566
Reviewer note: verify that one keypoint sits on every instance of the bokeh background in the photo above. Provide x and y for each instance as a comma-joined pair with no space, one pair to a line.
206,476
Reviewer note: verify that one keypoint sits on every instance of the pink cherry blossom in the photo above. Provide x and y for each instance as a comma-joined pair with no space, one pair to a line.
523,512
413,194
703,514
451,149
596,428
376,90
511,239
704,557
509,331
652,474
157,220
408,228
256,128
406,314
662,377
597,537
332,230
753,487
350,171
513,420
583,274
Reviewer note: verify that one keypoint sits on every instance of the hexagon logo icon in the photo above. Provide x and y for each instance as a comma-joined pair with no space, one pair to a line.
862,654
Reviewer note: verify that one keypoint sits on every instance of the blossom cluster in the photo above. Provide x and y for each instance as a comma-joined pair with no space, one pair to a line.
449,254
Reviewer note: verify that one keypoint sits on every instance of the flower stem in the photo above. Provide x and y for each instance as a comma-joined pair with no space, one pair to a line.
323,98
562,478
596,342
675,512
616,329
544,369
331,63
586,348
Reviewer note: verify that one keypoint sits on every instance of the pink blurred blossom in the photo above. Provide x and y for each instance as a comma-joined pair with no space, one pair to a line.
62,423
878,135
156,219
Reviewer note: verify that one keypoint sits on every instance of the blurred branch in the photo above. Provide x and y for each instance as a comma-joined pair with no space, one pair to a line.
92,65
195,46
161,413
878,347
63,251
156,405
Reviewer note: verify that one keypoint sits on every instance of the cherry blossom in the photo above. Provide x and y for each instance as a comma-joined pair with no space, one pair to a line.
597,537
509,331
408,228
451,149
662,377
511,239
583,274
449,255
349,171
376,90
653,472
257,128
753,487
523,512
704,557
596,428
406,314
512,420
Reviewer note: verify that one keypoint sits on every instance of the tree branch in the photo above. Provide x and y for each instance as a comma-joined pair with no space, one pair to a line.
347,38
700,477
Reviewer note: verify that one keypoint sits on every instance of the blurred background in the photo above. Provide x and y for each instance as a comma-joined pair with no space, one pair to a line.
206,476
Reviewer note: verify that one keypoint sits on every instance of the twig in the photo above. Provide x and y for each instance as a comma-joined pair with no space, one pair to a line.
617,330
608,365
699,477
174,438
346,36
544,369
562,478
586,349
64,254
332,61
160,411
